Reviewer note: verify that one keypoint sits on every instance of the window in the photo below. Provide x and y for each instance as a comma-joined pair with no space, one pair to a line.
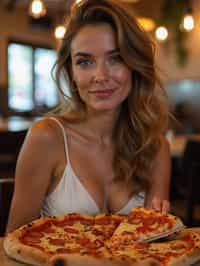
184,99
184,91
30,84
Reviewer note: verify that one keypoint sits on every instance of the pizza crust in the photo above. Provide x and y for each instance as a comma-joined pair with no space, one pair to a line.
23,253
77,260
185,260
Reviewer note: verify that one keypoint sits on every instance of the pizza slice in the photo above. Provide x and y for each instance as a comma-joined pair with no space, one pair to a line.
106,224
102,229
182,250
145,225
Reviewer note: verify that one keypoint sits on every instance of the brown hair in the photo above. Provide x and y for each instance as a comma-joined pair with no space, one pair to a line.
144,114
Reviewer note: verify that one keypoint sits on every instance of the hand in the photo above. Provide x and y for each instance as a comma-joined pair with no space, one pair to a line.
160,205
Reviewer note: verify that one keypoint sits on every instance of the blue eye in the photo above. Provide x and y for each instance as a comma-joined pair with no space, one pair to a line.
116,59
83,62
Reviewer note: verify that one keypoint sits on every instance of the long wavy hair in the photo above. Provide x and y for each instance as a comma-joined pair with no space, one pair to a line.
143,117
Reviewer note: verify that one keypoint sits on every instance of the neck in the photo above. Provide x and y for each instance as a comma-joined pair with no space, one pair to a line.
101,126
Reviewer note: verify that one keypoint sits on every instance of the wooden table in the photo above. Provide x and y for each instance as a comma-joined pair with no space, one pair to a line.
178,143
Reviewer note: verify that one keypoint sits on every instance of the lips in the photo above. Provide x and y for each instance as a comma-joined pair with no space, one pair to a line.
102,93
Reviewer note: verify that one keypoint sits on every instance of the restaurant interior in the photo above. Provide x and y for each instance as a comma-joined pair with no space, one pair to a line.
30,34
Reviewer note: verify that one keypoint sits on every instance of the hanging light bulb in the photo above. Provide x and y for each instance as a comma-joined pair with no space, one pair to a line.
130,1
187,23
37,9
60,32
161,33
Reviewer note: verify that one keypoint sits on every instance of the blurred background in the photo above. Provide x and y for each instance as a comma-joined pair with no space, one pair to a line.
30,34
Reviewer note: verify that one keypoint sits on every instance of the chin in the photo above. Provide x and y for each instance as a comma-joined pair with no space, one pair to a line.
104,109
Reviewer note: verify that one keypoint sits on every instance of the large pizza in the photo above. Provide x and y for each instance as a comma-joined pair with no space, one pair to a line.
143,237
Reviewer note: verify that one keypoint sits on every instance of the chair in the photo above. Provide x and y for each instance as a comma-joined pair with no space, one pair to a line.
190,167
6,192
10,144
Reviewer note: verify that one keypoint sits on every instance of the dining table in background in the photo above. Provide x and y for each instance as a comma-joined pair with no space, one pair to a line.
15,123
178,143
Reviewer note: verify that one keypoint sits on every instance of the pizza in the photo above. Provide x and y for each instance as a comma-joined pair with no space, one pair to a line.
144,224
81,239
182,249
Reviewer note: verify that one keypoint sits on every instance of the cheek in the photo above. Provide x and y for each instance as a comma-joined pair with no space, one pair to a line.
81,79
125,77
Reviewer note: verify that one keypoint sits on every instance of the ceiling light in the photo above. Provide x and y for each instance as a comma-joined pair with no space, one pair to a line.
161,33
187,23
37,9
60,32
130,1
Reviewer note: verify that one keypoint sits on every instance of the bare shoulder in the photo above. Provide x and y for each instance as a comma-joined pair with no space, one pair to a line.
45,127
44,131
44,137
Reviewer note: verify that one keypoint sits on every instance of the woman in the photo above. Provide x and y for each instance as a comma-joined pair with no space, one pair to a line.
104,151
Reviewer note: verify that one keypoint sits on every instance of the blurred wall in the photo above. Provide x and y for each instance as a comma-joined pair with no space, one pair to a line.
14,26
166,56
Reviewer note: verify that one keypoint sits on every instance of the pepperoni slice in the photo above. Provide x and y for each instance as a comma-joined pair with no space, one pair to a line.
34,234
68,250
142,245
82,241
72,219
97,232
37,246
27,240
71,230
95,244
103,220
134,220
150,221
57,241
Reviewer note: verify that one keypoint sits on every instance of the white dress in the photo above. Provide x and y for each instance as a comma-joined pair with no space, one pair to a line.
70,196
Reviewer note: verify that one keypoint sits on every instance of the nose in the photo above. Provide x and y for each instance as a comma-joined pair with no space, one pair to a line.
101,73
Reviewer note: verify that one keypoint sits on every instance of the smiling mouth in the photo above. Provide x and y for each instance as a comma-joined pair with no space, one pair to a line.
102,93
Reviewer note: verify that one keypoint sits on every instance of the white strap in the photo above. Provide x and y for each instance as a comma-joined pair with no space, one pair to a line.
64,137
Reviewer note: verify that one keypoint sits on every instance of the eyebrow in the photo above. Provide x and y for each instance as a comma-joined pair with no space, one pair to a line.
89,55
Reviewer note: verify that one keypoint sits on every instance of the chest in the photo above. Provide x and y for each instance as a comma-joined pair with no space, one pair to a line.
93,166
90,161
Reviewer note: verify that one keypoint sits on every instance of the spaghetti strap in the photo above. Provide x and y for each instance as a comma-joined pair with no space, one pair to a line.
64,137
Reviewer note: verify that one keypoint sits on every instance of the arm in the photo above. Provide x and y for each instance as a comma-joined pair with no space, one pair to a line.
158,196
34,169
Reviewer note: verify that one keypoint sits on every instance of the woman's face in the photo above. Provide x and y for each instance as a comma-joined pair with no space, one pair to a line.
102,78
